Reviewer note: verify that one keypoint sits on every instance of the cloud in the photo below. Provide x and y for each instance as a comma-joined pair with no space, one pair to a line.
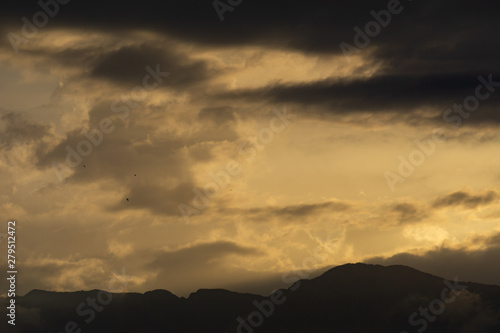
409,212
316,27
466,199
413,67
15,129
376,93
219,115
200,254
487,240
127,66
223,78
203,265
64,275
119,155
307,209
401,95
219,124
285,213
467,264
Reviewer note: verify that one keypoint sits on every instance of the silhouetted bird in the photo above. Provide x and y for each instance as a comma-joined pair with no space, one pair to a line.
127,199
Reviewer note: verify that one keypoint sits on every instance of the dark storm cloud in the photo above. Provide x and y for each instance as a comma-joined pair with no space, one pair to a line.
399,94
16,129
426,35
468,265
315,26
218,124
466,199
429,55
127,66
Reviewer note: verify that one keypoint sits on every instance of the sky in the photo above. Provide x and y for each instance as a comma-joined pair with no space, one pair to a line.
190,144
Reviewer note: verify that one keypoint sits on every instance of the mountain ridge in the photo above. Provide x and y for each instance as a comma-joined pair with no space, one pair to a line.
347,298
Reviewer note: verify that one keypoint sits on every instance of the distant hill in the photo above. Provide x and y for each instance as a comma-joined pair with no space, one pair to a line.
349,298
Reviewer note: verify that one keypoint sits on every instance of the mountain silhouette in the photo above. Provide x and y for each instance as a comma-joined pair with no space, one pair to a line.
348,298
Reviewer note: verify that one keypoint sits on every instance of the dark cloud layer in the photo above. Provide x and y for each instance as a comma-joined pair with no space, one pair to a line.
127,65
429,30
465,199
467,265
430,54
291,213
399,94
